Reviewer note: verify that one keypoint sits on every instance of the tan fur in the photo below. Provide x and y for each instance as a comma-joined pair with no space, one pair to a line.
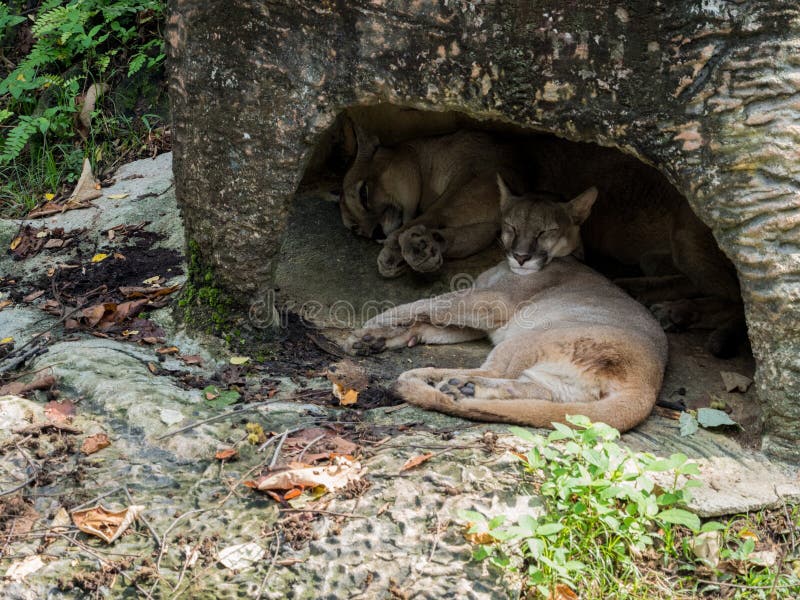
639,219
567,340
427,199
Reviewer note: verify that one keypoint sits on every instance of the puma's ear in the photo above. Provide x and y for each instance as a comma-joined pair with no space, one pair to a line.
366,143
506,197
580,206
349,139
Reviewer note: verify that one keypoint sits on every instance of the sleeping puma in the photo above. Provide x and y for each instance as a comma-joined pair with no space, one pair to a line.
567,340
426,199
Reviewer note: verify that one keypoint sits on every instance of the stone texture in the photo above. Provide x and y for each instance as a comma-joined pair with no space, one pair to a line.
708,92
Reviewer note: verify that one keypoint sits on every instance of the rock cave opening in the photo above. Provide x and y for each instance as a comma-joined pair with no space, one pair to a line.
330,276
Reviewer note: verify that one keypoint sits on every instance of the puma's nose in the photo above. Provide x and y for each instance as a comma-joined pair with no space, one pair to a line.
377,234
521,258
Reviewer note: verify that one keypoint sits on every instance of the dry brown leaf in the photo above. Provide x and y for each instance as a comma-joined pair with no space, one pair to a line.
60,412
33,296
167,350
226,454
483,538
415,461
331,477
735,382
192,359
17,388
84,119
346,397
104,523
563,592
86,189
5,304
95,443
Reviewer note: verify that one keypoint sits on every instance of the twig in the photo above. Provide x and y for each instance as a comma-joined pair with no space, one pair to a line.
275,438
271,566
276,454
43,427
245,408
19,487
163,544
308,445
96,499
742,586
322,512
142,517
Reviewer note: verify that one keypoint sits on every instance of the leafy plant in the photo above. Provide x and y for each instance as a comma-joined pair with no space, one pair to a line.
76,43
600,511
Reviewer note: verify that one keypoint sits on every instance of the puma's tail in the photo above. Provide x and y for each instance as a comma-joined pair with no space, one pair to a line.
622,409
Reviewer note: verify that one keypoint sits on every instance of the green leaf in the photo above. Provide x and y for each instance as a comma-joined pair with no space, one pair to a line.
689,424
549,529
523,434
471,516
226,398
677,516
711,417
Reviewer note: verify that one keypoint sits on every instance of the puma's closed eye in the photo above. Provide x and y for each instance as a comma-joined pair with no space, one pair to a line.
363,195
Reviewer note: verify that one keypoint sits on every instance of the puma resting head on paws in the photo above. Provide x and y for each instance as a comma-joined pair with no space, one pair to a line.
567,340
427,199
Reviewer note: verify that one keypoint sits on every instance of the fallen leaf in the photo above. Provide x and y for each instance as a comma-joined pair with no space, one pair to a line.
706,547
95,443
118,256
43,233
345,396
5,304
293,493
53,243
7,340
763,558
168,350
192,359
61,521
84,118
226,454
735,381
20,569
33,296
60,412
152,280
331,477
561,591
415,461
241,556
104,523
100,256
17,388
49,196
240,360
483,538
116,196
15,242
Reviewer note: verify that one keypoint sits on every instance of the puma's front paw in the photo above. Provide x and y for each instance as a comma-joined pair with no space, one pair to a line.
390,260
377,339
676,315
423,248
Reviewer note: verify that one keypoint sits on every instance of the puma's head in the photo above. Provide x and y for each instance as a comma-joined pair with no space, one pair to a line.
536,227
367,209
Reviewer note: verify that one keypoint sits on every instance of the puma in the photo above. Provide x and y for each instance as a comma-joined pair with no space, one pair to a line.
641,220
567,340
427,199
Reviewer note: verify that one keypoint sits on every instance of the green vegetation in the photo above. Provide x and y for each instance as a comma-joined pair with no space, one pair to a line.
204,305
603,529
55,59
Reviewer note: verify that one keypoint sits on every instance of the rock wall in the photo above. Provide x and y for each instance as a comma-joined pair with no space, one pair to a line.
706,90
